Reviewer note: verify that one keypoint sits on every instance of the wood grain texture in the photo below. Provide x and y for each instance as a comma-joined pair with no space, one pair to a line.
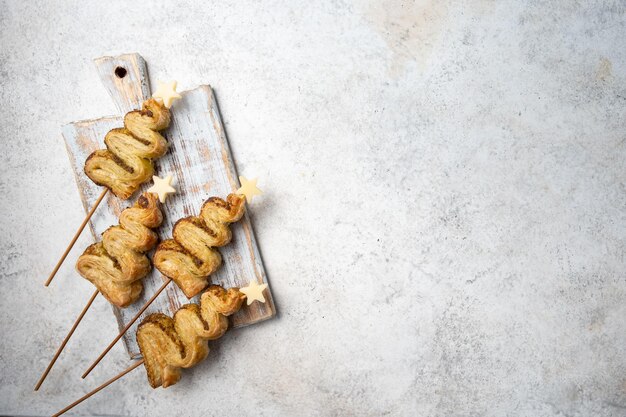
126,79
200,160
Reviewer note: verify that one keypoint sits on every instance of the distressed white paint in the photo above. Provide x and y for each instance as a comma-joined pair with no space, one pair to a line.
131,89
200,160
443,220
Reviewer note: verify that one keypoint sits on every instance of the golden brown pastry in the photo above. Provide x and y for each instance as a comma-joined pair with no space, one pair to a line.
117,264
127,161
170,344
189,258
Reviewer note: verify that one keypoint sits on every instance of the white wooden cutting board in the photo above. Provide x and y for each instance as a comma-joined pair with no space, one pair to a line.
202,165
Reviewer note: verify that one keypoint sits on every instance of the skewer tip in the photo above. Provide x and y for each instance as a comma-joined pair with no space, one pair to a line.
101,387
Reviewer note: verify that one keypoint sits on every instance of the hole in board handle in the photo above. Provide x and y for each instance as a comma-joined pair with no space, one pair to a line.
120,72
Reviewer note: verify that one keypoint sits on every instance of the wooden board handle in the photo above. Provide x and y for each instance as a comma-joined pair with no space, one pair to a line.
126,79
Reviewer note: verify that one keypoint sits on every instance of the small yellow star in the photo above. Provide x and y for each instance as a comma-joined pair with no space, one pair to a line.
162,187
248,188
166,92
254,292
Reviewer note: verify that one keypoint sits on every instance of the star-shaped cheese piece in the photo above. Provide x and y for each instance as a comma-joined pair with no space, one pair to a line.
248,188
254,292
162,187
166,92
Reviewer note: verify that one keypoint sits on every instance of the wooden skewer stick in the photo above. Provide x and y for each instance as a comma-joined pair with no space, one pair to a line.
89,394
78,232
67,338
128,326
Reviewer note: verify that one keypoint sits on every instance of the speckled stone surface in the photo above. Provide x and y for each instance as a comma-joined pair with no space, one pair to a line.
444,221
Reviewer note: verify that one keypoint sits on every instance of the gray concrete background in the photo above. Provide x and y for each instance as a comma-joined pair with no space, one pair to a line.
444,221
